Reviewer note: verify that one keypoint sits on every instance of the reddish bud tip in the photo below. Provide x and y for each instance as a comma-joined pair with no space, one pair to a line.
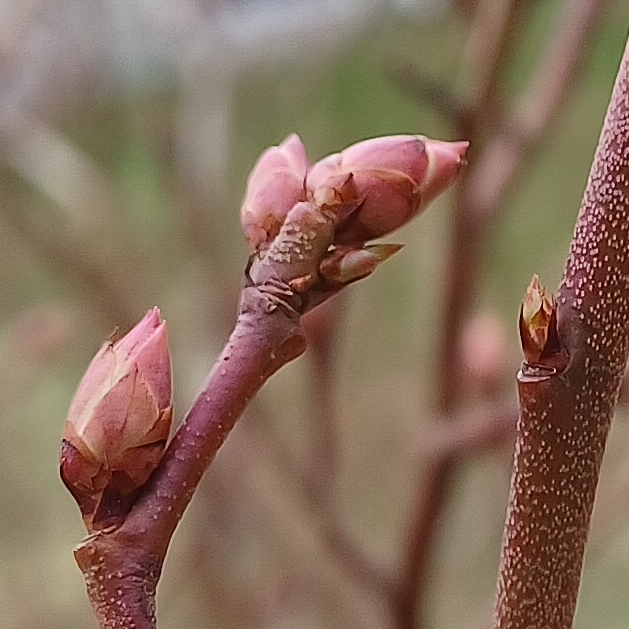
274,185
118,422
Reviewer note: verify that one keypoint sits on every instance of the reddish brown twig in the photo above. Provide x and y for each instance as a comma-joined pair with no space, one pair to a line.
565,416
303,255
122,567
322,328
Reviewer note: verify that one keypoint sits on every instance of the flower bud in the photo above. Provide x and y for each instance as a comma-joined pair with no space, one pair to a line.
118,423
345,264
275,184
484,353
377,185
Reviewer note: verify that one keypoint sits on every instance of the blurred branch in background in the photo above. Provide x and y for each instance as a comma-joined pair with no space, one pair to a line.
126,131
109,268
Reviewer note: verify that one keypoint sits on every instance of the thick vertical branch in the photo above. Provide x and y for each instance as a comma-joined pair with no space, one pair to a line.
479,198
565,417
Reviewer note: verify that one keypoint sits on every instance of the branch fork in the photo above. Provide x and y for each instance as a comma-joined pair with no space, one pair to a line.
307,226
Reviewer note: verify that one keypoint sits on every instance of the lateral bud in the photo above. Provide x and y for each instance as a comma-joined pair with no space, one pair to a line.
118,423
538,329
377,185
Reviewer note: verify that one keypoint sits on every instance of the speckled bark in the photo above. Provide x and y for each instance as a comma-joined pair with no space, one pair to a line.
565,418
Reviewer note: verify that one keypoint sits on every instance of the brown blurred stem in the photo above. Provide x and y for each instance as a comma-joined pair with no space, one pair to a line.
485,65
497,159
322,328
82,202
354,560
473,432
110,298
494,168
417,84
477,104
493,33
565,418
554,80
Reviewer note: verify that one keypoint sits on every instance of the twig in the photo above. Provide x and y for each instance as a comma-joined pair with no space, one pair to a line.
471,434
492,36
495,168
290,273
565,417
548,90
87,204
110,298
434,479
124,565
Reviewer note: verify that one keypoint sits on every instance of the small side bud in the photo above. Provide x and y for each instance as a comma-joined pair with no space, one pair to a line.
345,264
118,423
274,185
536,315
376,186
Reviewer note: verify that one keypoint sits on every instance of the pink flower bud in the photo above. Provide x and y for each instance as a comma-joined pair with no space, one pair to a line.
535,319
275,184
118,423
377,185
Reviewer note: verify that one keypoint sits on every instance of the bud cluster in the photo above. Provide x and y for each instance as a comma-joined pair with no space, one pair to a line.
369,189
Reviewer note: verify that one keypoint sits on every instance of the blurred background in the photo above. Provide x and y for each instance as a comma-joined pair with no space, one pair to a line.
366,485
